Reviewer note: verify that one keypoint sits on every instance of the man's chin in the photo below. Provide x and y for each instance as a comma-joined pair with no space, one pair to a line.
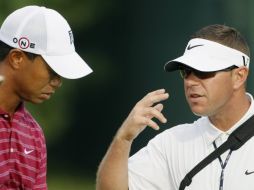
37,101
199,113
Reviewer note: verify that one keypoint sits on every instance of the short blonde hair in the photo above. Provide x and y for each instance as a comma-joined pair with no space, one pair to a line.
224,35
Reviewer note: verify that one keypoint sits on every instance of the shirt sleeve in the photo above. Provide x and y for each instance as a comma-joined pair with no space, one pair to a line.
148,168
40,183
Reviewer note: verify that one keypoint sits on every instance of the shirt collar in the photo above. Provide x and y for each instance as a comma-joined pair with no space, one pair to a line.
212,133
19,110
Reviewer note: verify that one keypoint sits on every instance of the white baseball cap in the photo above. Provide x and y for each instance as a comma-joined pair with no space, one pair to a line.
44,31
207,56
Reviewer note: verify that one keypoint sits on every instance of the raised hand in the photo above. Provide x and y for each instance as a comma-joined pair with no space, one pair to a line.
142,114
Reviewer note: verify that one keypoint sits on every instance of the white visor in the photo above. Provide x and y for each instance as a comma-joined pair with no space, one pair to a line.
207,56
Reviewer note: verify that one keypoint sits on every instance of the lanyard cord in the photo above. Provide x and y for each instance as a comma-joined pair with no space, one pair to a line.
235,140
223,166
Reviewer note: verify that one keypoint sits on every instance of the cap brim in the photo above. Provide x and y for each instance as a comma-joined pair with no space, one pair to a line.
70,66
204,63
177,63
173,65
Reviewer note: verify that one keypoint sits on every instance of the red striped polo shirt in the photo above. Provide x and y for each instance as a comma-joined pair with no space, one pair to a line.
22,152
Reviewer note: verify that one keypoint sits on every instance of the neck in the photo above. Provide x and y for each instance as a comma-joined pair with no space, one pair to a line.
8,100
225,119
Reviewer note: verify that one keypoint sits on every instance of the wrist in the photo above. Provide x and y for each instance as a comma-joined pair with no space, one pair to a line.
121,135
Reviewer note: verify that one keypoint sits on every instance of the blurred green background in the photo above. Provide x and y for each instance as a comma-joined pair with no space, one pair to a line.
126,43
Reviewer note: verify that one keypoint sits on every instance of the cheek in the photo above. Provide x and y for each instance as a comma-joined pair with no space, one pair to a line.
220,88
32,81
216,93
219,93
39,76
36,80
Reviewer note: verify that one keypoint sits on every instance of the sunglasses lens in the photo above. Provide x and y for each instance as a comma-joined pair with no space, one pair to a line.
182,73
204,75
185,72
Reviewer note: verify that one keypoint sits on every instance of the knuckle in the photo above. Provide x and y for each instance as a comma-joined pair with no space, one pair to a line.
137,108
138,104
146,121
153,111
135,119
151,99
149,94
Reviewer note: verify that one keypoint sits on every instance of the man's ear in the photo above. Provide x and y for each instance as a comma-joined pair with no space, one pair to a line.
240,76
15,58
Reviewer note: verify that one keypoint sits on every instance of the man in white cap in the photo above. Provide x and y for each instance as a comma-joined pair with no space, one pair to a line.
214,68
36,51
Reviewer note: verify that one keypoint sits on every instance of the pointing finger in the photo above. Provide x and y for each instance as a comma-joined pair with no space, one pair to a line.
151,112
159,107
153,98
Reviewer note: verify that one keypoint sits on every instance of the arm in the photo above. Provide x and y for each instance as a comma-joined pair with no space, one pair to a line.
113,170
40,182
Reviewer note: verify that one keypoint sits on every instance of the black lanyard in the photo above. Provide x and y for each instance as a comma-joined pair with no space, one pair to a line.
223,166
235,140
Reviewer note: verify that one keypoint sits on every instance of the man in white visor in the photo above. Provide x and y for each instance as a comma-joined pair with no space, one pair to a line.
36,52
214,68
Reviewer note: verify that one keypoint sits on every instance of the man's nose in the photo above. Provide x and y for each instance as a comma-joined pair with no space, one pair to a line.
191,79
56,81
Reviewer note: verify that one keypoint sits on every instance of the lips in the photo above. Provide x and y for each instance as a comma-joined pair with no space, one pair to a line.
46,95
194,97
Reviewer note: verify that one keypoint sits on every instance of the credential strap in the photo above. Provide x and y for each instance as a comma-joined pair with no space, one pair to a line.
235,140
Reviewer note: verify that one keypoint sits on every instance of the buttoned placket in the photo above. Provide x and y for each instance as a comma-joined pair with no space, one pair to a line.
8,118
224,158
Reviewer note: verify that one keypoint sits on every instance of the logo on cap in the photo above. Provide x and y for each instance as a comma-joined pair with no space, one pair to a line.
71,37
191,47
245,61
23,43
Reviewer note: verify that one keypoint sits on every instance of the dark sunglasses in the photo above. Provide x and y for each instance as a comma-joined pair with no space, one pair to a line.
186,71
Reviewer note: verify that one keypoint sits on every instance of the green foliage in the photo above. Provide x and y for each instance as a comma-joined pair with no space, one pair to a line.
69,182
79,13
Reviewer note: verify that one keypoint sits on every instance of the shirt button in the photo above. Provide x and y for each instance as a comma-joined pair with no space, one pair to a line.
11,150
6,116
